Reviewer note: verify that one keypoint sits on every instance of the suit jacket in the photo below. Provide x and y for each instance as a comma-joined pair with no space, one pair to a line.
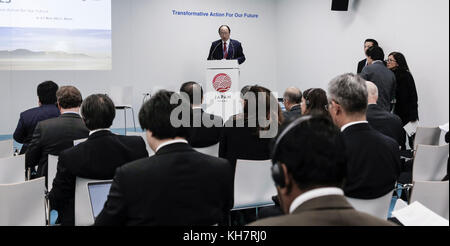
53,136
242,143
361,65
385,122
294,113
235,51
176,186
332,210
28,121
406,97
204,135
96,158
373,162
384,79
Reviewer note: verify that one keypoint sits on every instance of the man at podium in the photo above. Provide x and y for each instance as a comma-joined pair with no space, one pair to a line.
226,48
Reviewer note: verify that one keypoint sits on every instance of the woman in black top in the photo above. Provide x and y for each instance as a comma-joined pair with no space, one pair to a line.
406,106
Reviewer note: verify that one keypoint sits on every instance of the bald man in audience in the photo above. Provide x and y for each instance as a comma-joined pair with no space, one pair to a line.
373,159
381,120
292,99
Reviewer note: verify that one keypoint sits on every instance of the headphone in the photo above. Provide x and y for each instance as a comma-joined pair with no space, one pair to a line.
277,170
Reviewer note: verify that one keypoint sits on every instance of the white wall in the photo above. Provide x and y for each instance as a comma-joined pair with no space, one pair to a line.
317,44
293,42
153,49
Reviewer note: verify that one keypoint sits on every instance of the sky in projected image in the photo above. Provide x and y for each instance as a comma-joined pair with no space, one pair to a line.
95,43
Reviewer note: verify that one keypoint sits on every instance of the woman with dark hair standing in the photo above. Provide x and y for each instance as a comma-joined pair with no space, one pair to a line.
406,106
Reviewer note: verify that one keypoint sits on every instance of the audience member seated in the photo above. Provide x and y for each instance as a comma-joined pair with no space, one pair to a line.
381,76
373,159
55,135
248,137
176,186
309,169
381,120
205,128
28,120
96,158
315,101
292,98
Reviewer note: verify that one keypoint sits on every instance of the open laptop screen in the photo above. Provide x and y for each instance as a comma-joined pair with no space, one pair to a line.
98,194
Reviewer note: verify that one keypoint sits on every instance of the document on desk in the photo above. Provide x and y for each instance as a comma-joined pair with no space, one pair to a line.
411,128
417,214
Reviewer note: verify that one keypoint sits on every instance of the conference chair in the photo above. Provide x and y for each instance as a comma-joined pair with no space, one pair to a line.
142,135
253,184
12,169
83,209
212,150
6,148
23,204
427,136
430,163
433,195
52,168
122,96
378,207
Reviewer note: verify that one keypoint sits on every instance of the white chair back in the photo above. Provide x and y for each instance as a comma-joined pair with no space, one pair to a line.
12,169
433,195
23,204
142,135
83,209
378,207
427,136
52,168
253,184
122,96
6,148
430,163
212,150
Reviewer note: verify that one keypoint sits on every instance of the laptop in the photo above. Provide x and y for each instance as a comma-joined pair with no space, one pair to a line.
98,194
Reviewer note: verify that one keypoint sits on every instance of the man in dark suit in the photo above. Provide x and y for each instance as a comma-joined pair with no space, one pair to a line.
205,129
381,120
367,44
28,120
291,99
96,158
381,76
373,159
55,135
308,171
176,186
226,48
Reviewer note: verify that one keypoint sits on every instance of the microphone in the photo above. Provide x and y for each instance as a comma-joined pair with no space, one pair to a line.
210,55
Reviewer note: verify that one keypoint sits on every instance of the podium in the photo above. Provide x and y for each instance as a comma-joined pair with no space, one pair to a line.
222,90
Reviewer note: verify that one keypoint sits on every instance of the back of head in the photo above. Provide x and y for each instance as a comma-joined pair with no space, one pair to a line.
349,91
46,92
155,115
293,95
316,100
312,152
98,111
376,53
193,91
69,97
259,99
372,91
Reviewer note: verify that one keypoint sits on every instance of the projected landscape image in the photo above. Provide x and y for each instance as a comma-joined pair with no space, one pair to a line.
54,49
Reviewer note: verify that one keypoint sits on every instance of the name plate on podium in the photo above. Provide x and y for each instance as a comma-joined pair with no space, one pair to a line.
222,88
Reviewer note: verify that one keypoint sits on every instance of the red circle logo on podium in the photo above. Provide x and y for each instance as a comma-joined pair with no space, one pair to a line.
222,82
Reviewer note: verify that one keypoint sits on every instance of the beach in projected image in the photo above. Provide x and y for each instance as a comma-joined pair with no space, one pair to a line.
54,49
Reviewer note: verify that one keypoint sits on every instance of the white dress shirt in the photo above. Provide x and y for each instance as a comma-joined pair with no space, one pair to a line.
171,142
315,193
353,123
228,46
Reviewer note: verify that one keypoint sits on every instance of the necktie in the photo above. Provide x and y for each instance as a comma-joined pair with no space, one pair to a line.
225,51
